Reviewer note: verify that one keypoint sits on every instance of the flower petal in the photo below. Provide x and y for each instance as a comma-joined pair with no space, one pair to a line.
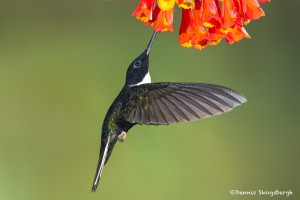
236,34
230,15
214,35
186,28
249,10
143,12
210,13
165,5
162,20
200,38
253,10
186,4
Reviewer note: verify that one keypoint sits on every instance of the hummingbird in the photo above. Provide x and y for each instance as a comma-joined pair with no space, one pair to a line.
145,103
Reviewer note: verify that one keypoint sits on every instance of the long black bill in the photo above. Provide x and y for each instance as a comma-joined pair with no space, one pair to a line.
150,43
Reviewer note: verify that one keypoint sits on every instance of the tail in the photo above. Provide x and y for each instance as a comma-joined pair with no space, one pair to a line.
105,151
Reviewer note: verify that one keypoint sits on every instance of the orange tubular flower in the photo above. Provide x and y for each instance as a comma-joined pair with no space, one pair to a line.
204,22
144,10
162,20
186,30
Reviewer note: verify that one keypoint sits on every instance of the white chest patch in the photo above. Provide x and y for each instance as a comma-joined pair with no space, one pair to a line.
147,79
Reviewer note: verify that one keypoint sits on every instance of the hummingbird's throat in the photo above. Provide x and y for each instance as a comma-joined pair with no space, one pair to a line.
146,79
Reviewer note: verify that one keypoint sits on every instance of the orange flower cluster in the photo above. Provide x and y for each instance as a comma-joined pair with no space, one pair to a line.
203,22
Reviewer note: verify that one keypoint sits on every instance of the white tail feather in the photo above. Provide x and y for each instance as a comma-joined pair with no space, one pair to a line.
102,162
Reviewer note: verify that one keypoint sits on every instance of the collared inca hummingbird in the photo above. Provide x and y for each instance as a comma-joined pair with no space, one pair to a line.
145,103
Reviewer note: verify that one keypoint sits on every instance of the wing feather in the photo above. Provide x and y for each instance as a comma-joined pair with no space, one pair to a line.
179,109
172,117
180,116
154,119
207,98
219,91
194,103
190,113
159,113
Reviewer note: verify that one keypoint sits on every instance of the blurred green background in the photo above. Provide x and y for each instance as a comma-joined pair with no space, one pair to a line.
62,63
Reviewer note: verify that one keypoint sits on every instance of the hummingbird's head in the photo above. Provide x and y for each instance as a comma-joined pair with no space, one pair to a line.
138,70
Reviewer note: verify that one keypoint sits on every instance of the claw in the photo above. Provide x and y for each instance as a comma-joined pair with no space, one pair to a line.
122,136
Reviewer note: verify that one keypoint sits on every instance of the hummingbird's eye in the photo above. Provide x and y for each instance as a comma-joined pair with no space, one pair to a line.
137,63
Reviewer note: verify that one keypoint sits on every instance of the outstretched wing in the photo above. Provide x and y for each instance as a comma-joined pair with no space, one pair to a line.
168,103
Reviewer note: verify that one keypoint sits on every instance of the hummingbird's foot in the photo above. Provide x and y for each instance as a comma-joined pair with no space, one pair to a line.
122,136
